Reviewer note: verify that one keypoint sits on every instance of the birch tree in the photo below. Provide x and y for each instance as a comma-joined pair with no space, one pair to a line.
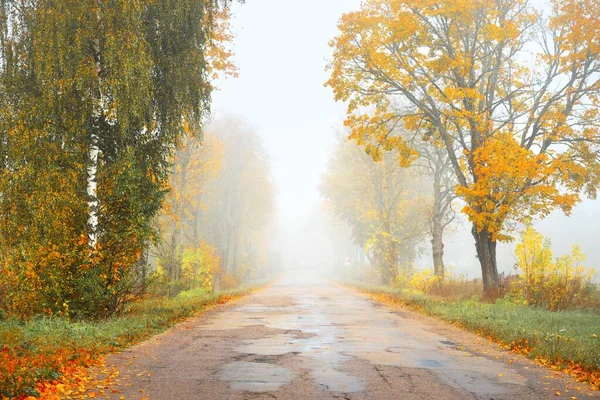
94,93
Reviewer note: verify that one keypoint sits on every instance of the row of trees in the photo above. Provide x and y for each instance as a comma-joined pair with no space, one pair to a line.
95,97
510,97
389,208
218,213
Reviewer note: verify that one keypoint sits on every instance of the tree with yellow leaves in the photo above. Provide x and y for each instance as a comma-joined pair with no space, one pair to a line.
92,96
513,97
382,204
195,163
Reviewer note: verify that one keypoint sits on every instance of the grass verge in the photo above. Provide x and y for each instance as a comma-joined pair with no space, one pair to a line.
565,340
48,357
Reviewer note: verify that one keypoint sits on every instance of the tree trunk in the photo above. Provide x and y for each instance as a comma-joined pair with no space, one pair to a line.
437,246
94,148
92,184
174,270
437,226
197,219
389,260
144,271
389,269
141,269
216,286
229,250
486,252
235,266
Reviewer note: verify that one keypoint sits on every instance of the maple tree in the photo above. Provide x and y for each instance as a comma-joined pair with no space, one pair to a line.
512,95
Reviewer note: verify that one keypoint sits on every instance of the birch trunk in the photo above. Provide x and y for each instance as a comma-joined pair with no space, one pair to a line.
94,151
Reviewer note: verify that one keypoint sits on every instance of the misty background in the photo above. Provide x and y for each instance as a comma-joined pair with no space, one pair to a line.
281,49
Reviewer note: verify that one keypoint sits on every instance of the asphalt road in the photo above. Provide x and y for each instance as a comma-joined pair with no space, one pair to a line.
304,338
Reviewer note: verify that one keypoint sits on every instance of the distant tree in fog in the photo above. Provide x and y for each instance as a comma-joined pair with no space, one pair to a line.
381,201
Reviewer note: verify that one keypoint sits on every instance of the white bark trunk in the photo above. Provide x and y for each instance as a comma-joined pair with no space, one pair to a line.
92,186
93,154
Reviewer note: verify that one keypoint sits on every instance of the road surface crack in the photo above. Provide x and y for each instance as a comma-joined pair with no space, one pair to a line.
382,376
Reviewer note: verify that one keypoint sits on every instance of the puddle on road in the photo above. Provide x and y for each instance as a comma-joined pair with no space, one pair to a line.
331,326
317,352
272,345
336,381
406,343
255,377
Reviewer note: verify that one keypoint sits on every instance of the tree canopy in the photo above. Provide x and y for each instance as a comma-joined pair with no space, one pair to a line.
511,94
382,204
94,95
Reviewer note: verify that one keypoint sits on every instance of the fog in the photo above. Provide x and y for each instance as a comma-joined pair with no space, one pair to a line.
580,228
281,51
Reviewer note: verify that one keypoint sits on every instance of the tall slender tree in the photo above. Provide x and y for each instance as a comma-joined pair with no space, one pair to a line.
435,162
240,201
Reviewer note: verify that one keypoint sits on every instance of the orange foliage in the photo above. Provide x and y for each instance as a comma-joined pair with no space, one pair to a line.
505,175
218,53
69,364
523,140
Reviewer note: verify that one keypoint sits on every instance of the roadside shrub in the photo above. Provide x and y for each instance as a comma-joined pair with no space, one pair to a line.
554,283
448,286
69,280
198,266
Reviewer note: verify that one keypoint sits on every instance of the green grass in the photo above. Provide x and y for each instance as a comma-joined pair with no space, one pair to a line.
37,350
560,338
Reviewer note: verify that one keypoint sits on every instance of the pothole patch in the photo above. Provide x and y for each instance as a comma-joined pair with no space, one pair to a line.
255,376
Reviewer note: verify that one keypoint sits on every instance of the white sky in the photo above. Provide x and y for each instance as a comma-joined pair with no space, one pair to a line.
281,51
